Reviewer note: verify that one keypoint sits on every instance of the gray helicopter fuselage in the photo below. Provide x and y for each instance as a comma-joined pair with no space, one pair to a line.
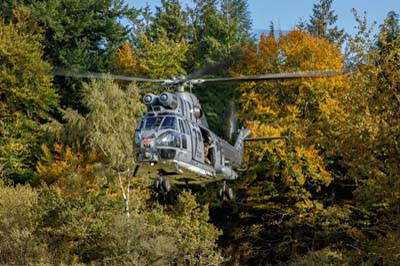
173,140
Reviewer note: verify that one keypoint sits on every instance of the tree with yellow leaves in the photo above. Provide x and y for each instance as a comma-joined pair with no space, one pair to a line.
286,191
27,96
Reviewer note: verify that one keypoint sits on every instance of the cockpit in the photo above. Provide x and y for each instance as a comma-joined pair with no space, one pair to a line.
159,136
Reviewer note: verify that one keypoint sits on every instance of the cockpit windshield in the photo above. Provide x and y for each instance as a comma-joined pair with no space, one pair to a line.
153,122
168,122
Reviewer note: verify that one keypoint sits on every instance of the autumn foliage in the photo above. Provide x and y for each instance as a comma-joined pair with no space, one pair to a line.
328,195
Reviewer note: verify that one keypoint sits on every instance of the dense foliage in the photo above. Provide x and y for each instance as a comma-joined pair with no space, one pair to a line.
330,195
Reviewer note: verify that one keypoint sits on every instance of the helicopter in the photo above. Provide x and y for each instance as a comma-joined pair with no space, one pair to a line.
173,142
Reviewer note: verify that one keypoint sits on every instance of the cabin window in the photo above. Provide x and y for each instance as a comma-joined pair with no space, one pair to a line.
182,106
183,129
190,110
169,123
184,142
186,126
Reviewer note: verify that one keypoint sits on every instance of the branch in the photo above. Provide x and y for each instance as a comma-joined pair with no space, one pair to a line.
100,146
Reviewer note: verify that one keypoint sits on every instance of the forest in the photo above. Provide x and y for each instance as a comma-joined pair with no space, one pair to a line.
329,195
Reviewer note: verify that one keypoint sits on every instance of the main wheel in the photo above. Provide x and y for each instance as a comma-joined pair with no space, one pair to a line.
166,186
157,185
220,194
229,193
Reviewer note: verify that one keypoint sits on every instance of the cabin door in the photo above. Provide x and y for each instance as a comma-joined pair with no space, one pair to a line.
197,147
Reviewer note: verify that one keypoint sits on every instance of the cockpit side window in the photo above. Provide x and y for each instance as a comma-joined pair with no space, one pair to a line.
169,123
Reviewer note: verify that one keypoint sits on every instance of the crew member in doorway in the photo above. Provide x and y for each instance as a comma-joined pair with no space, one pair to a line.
206,152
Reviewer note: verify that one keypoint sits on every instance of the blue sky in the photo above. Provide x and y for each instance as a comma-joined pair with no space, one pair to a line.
286,13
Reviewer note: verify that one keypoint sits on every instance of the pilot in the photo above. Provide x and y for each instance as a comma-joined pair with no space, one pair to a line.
206,152
157,122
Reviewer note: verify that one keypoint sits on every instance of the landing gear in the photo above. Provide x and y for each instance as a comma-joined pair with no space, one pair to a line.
225,191
162,185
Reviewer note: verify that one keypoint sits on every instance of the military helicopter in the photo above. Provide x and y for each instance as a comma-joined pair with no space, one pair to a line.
173,141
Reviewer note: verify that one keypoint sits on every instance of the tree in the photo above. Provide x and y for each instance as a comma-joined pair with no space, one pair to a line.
43,226
7,7
102,151
196,237
285,194
322,23
390,29
112,118
372,137
161,59
169,21
20,215
27,97
236,12
73,172
84,36
217,35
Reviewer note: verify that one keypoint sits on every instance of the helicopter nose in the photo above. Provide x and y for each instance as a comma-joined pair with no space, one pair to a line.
148,142
148,149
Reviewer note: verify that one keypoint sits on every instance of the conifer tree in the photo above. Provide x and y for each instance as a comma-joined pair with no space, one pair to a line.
322,23
171,21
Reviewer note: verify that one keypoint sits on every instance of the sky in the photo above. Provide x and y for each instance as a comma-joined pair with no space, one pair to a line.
285,14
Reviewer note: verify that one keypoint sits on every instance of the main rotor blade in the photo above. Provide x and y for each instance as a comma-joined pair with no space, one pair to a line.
274,76
266,138
152,88
87,74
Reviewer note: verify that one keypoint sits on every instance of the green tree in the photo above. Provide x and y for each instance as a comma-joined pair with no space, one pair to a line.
216,34
7,7
27,97
103,153
83,36
170,21
112,118
237,11
322,23
163,58
78,35
390,29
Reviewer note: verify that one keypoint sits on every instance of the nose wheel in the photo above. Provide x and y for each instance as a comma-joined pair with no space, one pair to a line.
225,191
162,185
